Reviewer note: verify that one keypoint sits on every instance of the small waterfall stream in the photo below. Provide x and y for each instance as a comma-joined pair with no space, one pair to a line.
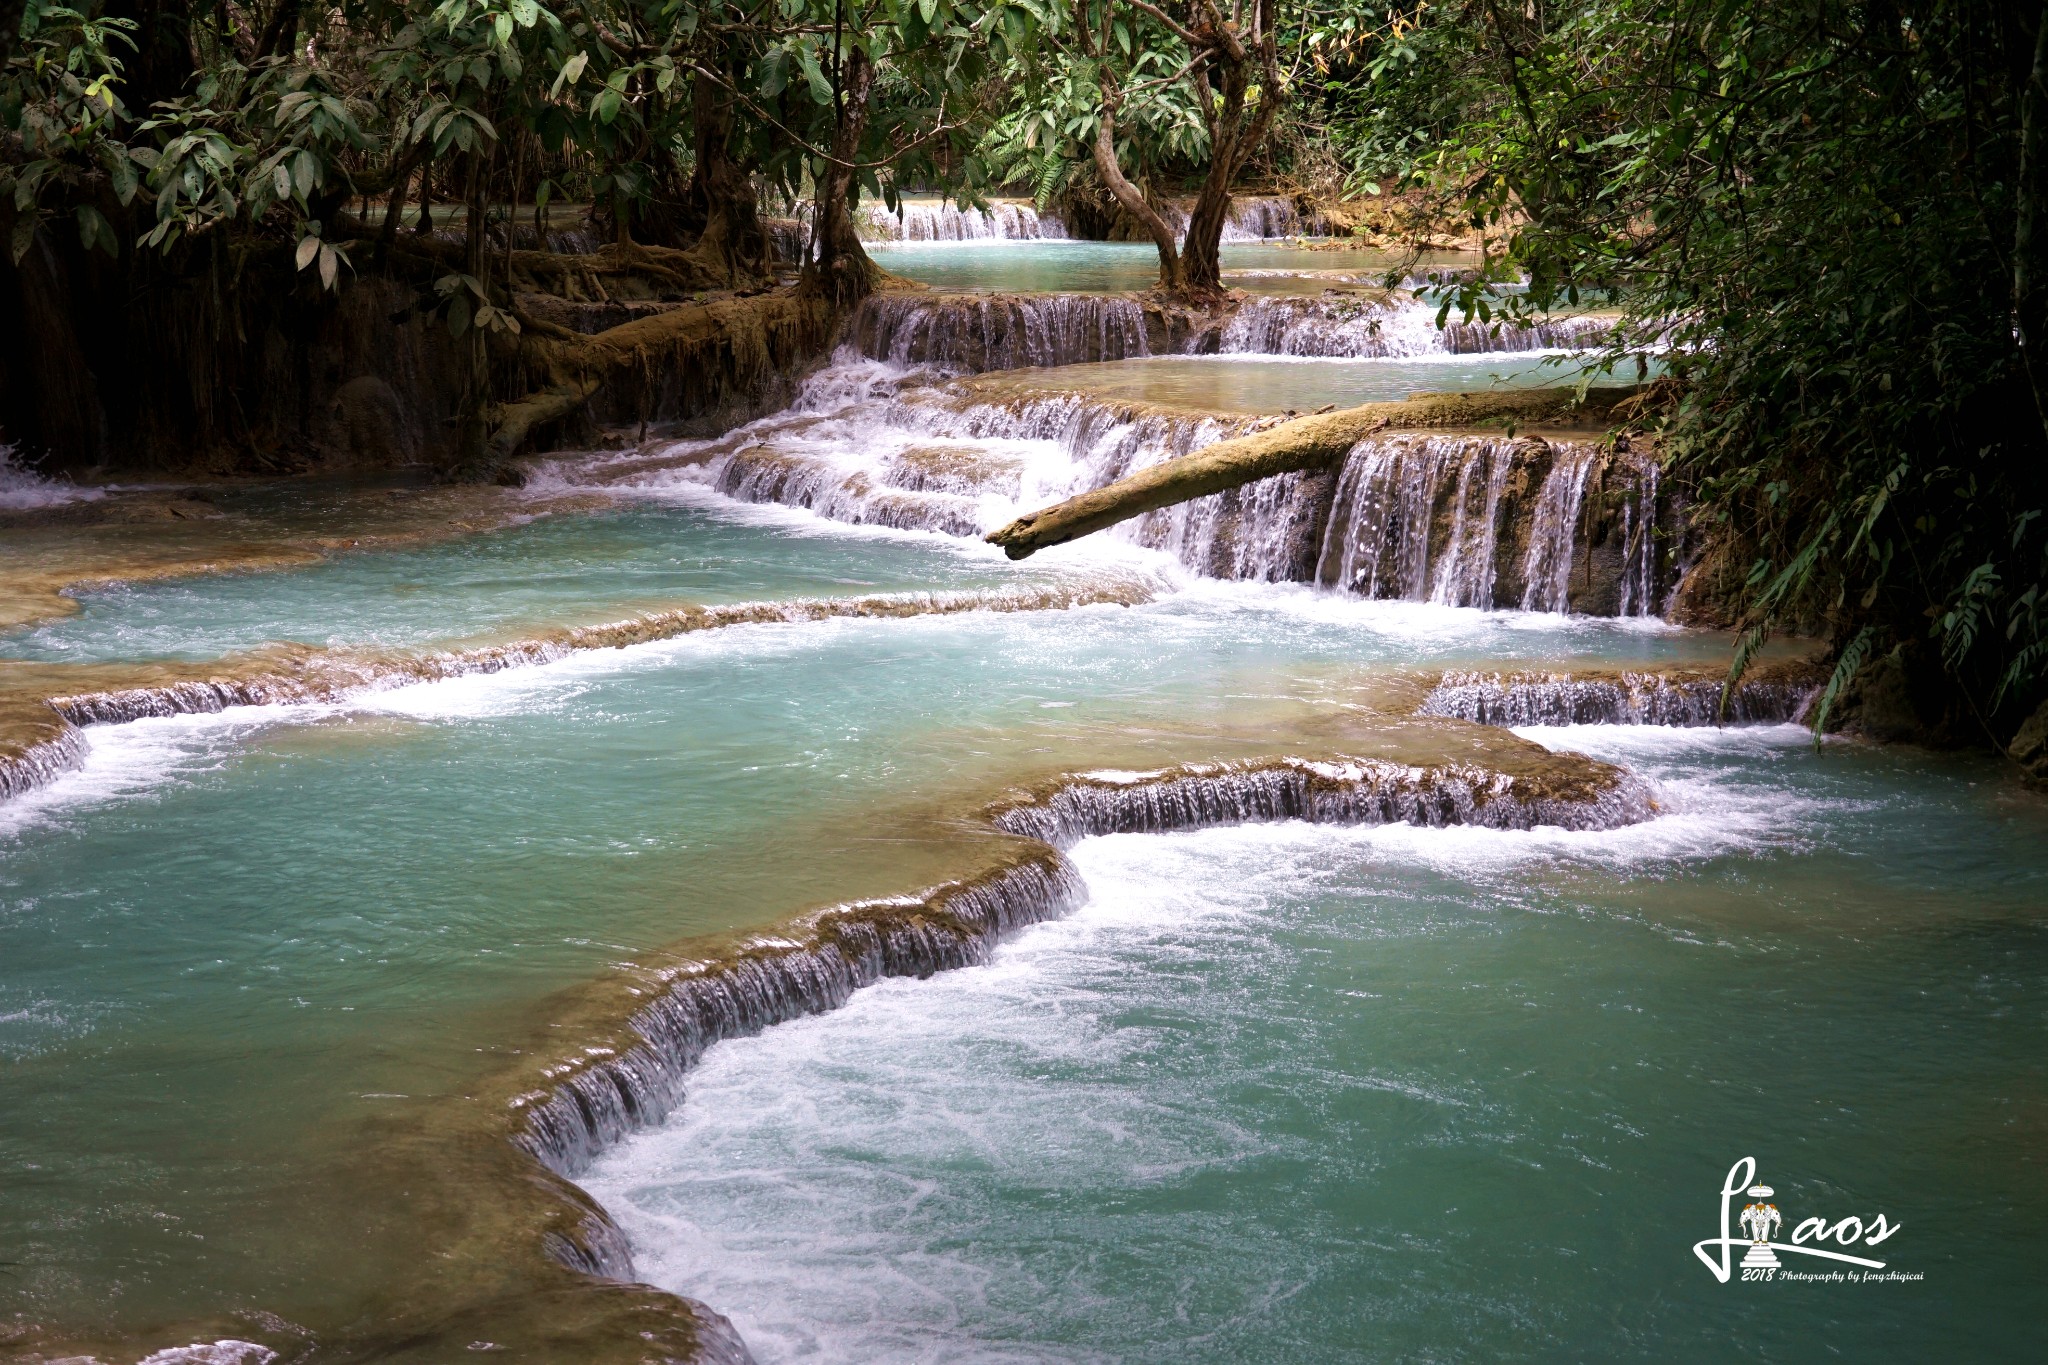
1547,567
975,333
926,221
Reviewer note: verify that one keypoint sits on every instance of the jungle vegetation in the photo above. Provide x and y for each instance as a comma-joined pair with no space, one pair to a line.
1828,212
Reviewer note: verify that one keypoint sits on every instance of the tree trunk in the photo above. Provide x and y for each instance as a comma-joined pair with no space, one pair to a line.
841,268
1171,276
1232,138
472,457
2030,232
1203,255
731,242
1305,443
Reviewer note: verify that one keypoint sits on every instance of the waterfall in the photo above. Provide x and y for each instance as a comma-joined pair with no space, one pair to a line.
1364,326
1639,547
313,675
1631,699
857,496
1388,518
1553,529
1464,576
40,763
1348,791
844,949
975,333
1266,531
790,238
1257,218
924,221
608,1093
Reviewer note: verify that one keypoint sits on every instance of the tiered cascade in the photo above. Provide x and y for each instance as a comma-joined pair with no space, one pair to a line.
926,221
608,1094
976,333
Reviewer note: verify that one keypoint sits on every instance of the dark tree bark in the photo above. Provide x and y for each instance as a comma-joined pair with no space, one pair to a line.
841,269
1172,277
1234,135
720,196
2030,232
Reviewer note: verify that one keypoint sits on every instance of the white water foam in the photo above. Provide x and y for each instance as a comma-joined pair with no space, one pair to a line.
22,489
136,758
225,1352
905,1179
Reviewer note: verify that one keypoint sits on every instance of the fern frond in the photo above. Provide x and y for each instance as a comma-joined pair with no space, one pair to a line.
1745,649
1846,669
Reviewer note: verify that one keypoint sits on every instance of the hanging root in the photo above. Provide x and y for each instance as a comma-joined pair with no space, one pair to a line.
678,363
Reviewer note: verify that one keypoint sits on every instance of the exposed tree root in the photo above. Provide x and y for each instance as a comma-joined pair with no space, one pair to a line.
681,361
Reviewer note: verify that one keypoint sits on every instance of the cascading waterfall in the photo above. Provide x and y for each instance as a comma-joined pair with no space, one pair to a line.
609,1093
1262,532
1257,218
1464,576
39,764
314,675
920,462
976,333
1347,791
1553,526
1630,699
1461,520
1401,502
1364,327
1639,547
947,222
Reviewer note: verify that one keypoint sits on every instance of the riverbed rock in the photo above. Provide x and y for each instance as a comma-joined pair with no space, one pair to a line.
2029,748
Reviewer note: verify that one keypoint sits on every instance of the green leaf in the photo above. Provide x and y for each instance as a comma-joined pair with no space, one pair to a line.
606,105
309,247
527,12
458,314
95,230
305,173
821,89
23,236
329,260
122,172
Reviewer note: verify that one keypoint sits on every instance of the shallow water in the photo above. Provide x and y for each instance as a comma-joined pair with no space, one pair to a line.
232,938
1274,1093
1272,384
557,570
1289,1093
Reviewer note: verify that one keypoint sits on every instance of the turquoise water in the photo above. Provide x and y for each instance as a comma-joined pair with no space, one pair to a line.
1279,1093
233,940
1282,384
577,569
1285,1093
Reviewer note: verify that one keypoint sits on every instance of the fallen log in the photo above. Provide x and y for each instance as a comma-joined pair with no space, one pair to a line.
1314,442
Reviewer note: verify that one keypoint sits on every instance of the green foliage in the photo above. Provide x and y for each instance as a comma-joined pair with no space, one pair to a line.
1812,205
